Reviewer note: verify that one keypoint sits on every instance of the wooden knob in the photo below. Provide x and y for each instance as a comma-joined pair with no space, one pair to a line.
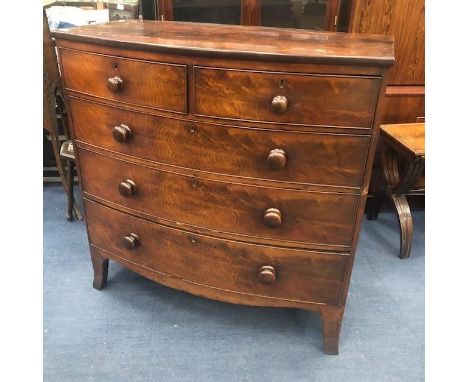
127,188
279,104
272,217
114,84
122,133
277,159
131,241
267,274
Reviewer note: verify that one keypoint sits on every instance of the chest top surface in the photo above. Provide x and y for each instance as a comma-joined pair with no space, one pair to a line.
261,43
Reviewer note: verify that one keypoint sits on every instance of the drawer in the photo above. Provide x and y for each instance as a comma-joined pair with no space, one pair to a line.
287,98
300,216
222,264
144,83
304,157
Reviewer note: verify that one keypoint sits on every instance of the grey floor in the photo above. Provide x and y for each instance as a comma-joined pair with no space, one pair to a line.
135,330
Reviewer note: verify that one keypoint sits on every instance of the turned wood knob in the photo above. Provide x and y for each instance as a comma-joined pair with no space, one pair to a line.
267,274
279,104
114,84
122,133
277,159
131,241
272,217
127,187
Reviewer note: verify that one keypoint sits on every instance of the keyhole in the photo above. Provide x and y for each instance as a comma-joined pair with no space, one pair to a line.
282,83
115,65
192,128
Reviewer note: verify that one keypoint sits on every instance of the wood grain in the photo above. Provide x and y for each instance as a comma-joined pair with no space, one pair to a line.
410,136
403,105
251,12
326,159
312,217
312,99
300,275
151,84
234,41
219,204
404,19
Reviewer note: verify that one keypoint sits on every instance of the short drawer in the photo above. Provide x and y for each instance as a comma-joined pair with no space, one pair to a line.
246,268
304,157
252,211
143,83
313,99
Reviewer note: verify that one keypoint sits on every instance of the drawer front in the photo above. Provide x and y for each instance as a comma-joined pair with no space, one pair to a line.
229,265
304,216
327,159
144,83
286,98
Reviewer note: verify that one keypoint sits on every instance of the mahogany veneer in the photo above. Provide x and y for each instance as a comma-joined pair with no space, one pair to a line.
232,163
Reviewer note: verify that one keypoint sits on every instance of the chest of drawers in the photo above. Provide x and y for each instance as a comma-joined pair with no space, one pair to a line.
228,162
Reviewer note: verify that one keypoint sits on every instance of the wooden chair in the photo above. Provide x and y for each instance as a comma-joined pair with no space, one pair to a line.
54,111
405,141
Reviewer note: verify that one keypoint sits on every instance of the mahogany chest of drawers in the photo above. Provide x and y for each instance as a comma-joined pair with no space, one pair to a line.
229,162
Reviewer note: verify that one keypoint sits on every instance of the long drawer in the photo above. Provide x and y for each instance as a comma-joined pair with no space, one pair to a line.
256,211
228,265
138,82
304,157
312,99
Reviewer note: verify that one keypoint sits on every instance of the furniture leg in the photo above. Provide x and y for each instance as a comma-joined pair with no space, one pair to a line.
100,267
332,315
69,189
406,224
397,188
374,207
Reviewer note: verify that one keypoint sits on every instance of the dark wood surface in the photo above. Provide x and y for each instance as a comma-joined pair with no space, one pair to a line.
314,158
404,20
404,141
309,99
259,200
404,104
228,265
238,41
251,12
310,217
156,85
405,100
409,136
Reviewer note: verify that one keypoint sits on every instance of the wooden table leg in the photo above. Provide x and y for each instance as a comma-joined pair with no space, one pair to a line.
406,224
396,190
70,199
374,207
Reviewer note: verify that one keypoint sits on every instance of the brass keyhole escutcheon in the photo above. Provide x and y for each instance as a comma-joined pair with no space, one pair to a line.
192,128
282,83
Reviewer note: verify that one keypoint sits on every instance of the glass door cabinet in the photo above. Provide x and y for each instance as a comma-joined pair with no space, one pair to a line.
299,14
